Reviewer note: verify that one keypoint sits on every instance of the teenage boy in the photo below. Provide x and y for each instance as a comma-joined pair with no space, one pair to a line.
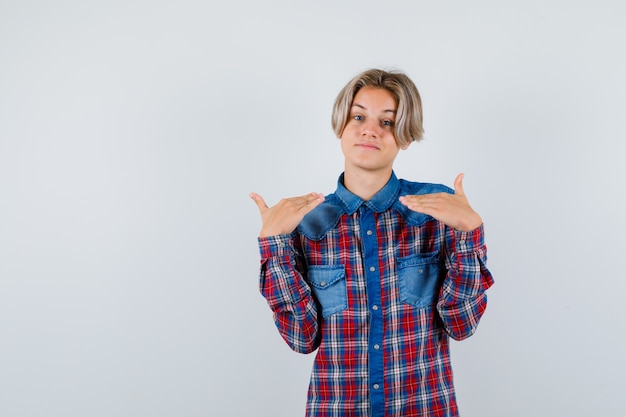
380,274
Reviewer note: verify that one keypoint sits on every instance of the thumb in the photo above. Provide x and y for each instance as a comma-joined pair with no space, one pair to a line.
458,184
260,203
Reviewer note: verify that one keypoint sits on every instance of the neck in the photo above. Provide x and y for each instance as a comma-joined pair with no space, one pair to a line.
365,184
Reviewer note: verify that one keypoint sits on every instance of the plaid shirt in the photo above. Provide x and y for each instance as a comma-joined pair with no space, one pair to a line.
378,290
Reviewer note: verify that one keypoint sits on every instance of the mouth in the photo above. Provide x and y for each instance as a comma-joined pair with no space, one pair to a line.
369,146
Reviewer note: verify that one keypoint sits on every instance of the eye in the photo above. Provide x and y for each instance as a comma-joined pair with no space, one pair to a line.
387,123
358,117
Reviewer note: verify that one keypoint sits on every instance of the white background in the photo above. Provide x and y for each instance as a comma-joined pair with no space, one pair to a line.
131,133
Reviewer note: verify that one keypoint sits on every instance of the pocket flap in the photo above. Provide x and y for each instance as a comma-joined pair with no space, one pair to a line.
323,276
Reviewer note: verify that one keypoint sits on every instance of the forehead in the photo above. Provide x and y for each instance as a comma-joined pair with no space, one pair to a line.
375,98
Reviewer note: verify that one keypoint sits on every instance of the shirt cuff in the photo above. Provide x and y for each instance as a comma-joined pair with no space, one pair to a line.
275,246
467,242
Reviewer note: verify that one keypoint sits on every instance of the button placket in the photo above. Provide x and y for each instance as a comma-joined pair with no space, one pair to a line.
373,278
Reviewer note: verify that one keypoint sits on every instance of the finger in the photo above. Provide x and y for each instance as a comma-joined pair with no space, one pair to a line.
421,198
300,202
259,201
414,202
313,197
458,184
408,200
313,200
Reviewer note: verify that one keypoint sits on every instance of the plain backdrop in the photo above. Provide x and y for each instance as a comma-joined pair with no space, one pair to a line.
131,133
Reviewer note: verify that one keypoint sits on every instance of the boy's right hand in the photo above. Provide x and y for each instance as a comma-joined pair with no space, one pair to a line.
285,216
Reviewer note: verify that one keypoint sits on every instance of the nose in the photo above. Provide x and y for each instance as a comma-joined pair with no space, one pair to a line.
371,128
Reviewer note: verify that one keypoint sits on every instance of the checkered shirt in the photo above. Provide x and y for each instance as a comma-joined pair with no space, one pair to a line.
378,291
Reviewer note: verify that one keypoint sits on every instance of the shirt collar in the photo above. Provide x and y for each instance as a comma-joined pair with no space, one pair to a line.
381,201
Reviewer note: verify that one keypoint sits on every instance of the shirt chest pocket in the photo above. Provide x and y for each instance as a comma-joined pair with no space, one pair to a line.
329,287
418,277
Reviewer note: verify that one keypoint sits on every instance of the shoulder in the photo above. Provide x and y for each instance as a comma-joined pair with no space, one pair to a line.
417,188
322,218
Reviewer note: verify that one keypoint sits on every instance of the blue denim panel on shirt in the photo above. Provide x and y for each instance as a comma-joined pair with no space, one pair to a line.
419,278
324,217
329,286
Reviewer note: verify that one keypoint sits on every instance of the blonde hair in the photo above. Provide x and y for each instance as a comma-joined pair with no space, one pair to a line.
408,123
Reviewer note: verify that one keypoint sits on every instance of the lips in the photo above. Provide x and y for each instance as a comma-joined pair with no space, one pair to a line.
367,146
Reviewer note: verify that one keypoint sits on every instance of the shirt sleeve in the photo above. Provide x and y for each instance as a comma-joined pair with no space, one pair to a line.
287,294
463,299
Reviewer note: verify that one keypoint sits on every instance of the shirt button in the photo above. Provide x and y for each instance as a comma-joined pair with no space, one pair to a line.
376,347
374,307
421,271
376,386
323,283
372,269
369,232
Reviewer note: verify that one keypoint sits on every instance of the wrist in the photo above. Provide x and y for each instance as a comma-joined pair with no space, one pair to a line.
470,223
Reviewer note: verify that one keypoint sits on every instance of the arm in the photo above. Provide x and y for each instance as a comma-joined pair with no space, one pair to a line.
287,294
462,299
281,276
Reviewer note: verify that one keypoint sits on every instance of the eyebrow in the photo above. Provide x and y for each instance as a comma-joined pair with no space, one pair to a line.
365,108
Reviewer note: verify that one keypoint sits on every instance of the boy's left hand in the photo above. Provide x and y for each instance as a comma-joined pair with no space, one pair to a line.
452,209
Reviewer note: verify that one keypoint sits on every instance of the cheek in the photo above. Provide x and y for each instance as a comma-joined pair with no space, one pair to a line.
348,129
346,137
390,140
343,145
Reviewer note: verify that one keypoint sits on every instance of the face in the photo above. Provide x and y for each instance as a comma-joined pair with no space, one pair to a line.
367,141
